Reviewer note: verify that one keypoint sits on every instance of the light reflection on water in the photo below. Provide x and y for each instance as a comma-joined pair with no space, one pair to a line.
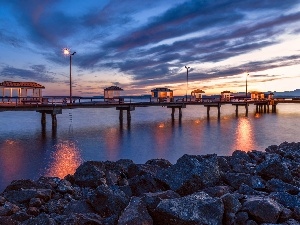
64,160
27,150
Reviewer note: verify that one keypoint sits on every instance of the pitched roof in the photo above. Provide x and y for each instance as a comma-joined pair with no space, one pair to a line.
198,91
115,88
161,89
11,84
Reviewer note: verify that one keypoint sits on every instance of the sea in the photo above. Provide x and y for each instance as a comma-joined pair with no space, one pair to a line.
29,150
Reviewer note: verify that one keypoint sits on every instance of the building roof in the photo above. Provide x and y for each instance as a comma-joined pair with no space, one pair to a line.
12,84
161,89
113,88
225,92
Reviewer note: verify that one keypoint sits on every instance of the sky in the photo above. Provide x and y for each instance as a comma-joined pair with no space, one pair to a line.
140,45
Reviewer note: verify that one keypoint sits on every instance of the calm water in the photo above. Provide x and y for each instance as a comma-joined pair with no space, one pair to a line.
28,151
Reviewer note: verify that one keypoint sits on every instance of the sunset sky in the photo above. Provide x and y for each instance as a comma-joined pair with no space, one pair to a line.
139,45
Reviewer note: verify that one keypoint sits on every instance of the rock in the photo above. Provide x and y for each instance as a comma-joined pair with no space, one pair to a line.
145,183
286,199
108,201
7,220
296,213
162,163
65,186
247,190
55,206
41,220
135,213
191,173
8,209
257,156
153,199
80,206
33,211
274,168
2,200
35,202
84,219
276,185
241,218
198,208
231,206
218,191
235,180
20,216
142,169
223,164
21,184
48,182
240,162
263,209
291,222
90,174
285,215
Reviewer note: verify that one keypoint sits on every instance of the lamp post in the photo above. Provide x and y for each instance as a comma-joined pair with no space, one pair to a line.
247,85
187,80
68,52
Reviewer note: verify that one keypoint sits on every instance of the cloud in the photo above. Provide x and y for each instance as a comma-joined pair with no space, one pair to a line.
35,73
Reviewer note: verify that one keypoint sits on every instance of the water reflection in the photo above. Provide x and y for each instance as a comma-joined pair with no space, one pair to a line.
244,135
65,160
112,140
162,138
12,160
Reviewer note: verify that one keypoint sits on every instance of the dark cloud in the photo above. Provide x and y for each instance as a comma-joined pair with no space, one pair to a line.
35,73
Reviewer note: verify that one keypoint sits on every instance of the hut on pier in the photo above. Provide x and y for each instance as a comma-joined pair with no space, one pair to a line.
112,93
196,95
162,95
257,95
25,91
226,96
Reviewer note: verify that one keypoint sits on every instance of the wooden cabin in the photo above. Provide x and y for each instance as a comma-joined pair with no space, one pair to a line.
196,95
25,91
162,95
112,93
226,96
257,95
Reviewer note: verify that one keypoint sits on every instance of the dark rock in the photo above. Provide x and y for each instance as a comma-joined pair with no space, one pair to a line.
162,163
285,215
24,196
153,199
231,206
65,186
218,191
276,185
2,200
287,150
291,222
20,216
235,180
257,156
286,199
124,164
35,202
84,219
135,213
42,219
16,185
78,207
241,218
247,190
108,201
263,209
223,164
142,169
240,162
33,211
145,183
296,213
8,209
48,182
55,206
274,168
7,220
198,208
251,222
191,173
90,174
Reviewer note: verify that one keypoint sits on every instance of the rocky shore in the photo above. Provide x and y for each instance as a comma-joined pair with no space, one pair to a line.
250,188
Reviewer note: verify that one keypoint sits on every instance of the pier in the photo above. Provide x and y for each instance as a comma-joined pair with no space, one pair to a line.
55,105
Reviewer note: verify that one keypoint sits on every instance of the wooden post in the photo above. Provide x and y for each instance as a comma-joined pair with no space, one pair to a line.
128,115
54,120
236,110
246,106
43,118
208,108
121,114
173,113
219,111
180,113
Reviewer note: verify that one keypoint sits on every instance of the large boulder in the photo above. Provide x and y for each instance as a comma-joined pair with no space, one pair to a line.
286,199
191,173
135,213
25,195
40,219
198,208
231,206
276,185
235,180
274,168
263,209
108,201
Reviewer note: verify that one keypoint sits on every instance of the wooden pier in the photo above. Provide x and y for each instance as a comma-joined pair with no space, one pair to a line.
55,107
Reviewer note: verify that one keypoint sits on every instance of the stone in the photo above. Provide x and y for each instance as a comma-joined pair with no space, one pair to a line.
241,218
286,199
40,219
191,173
7,220
263,209
218,191
84,219
2,200
135,213
35,202
276,185
142,169
33,211
65,186
197,208
80,206
235,180
90,174
145,183
21,184
108,201
231,206
162,163
8,209
21,216
274,168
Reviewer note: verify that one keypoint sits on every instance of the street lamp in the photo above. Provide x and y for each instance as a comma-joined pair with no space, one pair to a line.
67,51
187,80
247,85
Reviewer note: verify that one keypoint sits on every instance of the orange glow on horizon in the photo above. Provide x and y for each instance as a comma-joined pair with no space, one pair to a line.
66,159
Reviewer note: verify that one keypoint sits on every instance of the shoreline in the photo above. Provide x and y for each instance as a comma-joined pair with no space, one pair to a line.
253,187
